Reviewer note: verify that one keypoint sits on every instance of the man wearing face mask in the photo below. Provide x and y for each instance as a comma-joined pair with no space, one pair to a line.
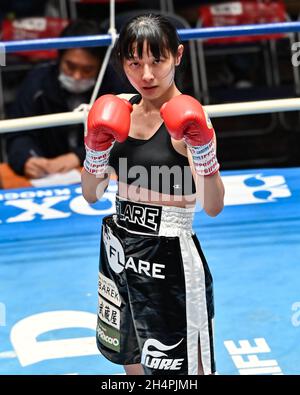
55,88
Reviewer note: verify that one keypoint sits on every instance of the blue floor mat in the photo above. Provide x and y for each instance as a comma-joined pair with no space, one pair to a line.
49,240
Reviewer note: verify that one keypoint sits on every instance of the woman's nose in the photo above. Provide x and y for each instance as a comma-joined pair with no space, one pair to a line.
147,73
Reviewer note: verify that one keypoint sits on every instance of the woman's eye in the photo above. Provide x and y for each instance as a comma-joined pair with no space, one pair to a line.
134,64
156,61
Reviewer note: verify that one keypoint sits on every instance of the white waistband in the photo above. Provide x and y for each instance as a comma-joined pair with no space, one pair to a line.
172,220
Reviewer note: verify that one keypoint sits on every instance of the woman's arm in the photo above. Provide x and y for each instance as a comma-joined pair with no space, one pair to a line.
209,189
93,187
108,121
187,120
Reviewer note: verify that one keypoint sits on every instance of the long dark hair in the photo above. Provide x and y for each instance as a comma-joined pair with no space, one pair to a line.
159,33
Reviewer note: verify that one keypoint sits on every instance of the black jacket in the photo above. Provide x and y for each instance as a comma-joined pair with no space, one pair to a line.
42,94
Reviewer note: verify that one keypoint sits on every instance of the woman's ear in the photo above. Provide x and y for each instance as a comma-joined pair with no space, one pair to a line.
179,55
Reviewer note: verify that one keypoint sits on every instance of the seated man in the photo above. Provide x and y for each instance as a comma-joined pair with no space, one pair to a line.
55,88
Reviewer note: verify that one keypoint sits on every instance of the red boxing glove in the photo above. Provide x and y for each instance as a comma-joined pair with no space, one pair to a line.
108,120
185,118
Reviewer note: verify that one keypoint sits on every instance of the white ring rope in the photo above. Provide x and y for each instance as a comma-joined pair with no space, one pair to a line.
253,107
112,31
214,111
42,121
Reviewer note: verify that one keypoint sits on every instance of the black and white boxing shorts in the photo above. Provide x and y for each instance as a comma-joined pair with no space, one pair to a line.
155,291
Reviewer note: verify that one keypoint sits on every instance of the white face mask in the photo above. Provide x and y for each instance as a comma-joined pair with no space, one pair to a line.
76,86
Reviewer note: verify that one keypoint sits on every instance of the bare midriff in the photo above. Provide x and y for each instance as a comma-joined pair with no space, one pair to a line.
143,195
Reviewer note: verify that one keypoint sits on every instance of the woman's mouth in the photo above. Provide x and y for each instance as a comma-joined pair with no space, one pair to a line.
149,88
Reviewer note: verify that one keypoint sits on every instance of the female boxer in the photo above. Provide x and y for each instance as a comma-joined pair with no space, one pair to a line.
155,288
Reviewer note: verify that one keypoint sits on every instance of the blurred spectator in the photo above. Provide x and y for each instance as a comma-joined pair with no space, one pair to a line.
22,8
55,88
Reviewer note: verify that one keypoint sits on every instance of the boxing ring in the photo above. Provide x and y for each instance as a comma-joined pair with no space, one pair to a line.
49,240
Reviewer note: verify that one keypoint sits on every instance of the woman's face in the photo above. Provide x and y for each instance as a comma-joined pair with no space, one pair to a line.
149,76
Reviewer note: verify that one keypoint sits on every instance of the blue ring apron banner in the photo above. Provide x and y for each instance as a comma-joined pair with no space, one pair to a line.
50,242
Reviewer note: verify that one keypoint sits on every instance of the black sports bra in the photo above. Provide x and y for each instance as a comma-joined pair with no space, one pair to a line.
153,164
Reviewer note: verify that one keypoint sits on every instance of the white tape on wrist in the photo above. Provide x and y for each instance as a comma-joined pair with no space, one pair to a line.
205,159
96,162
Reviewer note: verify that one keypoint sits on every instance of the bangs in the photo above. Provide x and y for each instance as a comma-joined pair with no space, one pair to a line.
156,45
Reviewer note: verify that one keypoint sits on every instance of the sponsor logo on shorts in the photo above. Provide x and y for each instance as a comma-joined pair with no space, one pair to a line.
157,359
116,258
108,289
147,217
108,313
114,250
108,336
